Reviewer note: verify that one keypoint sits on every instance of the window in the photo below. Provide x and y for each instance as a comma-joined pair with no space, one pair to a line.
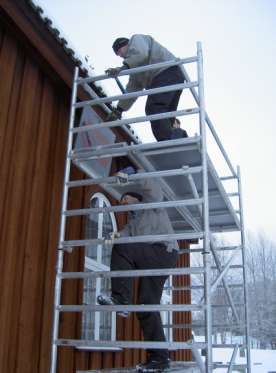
96,325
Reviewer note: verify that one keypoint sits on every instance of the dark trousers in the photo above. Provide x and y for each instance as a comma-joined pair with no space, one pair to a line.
164,102
143,256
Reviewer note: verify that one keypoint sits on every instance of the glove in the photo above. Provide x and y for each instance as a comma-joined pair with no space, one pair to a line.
114,71
122,178
114,115
111,239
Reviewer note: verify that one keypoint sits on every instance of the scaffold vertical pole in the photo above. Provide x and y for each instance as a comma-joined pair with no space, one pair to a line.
206,226
243,243
60,254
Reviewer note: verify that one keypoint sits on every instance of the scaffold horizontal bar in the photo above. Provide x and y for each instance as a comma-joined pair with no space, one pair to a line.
140,69
224,178
234,266
175,366
227,305
195,326
135,177
115,151
131,308
199,287
127,96
200,249
235,366
130,344
134,207
227,345
132,273
141,119
233,194
134,239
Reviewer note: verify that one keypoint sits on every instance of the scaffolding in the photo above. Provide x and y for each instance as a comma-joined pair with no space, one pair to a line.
198,206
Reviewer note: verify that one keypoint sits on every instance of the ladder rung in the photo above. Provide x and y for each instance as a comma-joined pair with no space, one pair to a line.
234,266
131,308
134,239
227,345
135,207
175,366
100,152
126,96
194,326
200,249
139,69
227,305
130,344
200,287
133,273
137,177
235,366
141,119
231,177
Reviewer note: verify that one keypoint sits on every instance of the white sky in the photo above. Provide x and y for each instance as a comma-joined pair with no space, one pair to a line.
239,49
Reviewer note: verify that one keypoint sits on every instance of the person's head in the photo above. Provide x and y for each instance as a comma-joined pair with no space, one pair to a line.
176,123
130,198
120,46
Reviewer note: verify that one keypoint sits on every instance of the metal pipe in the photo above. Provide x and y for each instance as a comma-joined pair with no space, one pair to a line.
104,151
131,95
131,308
128,344
140,69
135,239
205,213
233,359
135,177
243,243
133,207
141,119
60,253
132,273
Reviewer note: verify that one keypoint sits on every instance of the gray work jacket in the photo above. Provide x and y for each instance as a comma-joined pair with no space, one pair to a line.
143,50
152,221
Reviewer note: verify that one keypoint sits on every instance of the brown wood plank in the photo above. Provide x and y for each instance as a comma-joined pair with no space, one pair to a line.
27,312
13,76
16,220
10,81
56,173
38,231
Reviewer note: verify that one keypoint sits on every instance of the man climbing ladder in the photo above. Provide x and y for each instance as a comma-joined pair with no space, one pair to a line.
151,255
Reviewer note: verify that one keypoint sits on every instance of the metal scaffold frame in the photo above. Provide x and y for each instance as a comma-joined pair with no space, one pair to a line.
194,211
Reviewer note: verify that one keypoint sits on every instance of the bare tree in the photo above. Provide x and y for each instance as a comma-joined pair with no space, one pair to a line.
261,261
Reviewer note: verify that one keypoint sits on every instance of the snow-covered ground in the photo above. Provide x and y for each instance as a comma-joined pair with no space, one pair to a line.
262,361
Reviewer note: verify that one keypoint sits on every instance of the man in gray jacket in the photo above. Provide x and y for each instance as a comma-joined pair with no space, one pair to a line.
150,255
141,50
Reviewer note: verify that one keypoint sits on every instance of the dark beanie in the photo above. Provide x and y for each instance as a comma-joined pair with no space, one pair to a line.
133,194
118,43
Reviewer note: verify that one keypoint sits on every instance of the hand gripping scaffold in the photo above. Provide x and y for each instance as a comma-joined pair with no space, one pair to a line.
198,207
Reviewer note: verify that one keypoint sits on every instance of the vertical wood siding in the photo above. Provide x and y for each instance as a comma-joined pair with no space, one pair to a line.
33,132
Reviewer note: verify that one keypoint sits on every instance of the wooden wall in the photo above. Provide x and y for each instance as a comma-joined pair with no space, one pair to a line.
33,132
34,110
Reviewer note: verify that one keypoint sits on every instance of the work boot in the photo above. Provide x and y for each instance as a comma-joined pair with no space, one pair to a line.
105,300
152,365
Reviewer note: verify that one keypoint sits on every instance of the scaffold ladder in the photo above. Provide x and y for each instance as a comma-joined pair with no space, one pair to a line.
194,211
